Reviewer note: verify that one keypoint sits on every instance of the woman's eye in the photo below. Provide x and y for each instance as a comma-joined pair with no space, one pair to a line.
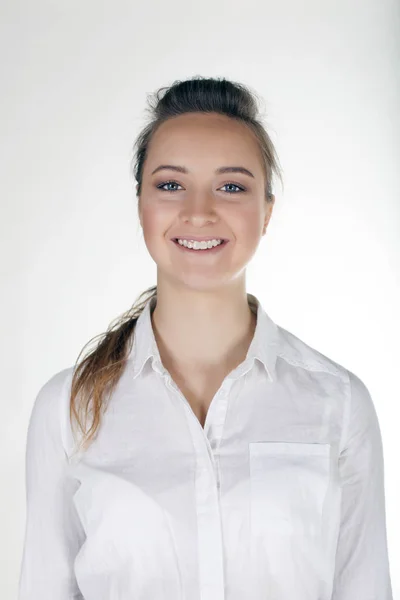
235,185
161,186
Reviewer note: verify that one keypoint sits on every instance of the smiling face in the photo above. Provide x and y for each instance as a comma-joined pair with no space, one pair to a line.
202,202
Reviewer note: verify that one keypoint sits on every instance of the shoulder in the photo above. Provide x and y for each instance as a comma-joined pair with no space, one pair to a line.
298,353
49,394
50,410
346,389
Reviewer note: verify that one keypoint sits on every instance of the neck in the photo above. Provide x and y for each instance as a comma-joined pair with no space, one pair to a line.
209,331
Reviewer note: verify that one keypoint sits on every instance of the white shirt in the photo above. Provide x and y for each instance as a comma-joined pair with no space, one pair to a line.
279,497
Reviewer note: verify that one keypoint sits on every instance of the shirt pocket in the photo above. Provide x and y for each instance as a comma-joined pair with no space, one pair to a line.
288,485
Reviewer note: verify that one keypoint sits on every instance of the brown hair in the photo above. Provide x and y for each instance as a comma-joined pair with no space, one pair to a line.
98,373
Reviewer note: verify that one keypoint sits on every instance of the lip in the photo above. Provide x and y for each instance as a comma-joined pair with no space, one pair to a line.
214,250
198,238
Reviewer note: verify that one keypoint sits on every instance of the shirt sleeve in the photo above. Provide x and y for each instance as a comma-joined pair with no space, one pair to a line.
53,533
362,564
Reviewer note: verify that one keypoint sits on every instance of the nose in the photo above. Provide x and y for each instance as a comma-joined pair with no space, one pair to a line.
199,207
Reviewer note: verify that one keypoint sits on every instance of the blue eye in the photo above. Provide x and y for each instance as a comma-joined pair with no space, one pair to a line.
235,185
161,186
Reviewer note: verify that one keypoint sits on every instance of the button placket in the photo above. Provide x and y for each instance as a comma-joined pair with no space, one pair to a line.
215,426
210,543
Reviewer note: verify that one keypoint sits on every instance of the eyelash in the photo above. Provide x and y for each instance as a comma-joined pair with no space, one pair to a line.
160,186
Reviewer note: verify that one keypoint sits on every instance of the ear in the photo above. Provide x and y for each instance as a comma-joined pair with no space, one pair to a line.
268,213
140,214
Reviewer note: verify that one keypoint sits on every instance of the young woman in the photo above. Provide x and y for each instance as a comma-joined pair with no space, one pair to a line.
221,457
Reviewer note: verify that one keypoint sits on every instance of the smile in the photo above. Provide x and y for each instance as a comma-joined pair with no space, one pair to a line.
214,250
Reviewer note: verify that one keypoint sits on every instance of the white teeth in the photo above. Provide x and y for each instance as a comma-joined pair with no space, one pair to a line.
196,245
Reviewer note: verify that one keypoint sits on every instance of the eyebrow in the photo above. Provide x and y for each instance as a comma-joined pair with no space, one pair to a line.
217,171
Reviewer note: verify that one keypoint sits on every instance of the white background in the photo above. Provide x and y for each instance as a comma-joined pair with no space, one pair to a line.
75,76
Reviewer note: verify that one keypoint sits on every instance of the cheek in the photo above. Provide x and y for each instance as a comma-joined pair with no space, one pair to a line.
245,222
153,222
247,225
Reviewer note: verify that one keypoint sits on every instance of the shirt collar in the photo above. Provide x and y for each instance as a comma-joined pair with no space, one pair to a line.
264,345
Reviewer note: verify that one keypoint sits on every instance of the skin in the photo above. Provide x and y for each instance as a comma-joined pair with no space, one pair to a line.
202,323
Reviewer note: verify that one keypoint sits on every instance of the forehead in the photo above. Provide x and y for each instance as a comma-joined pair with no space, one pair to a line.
197,135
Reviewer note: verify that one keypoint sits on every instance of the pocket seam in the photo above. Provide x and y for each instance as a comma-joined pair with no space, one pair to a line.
290,448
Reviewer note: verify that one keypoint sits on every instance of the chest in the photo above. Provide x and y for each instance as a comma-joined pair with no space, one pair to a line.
199,390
